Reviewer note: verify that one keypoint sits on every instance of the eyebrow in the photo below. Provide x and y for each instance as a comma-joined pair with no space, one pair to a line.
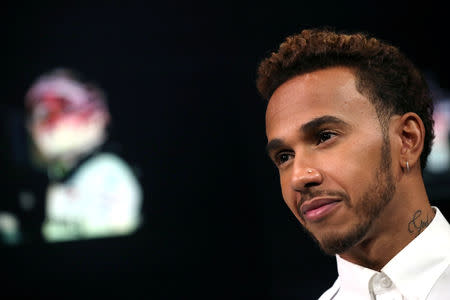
274,144
317,122
306,129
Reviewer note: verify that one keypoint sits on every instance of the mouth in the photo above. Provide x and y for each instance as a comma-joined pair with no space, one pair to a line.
318,208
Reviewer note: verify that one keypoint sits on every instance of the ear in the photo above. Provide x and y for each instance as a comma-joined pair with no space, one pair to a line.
412,134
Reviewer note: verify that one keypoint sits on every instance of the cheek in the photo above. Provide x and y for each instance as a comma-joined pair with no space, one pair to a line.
284,188
355,166
288,193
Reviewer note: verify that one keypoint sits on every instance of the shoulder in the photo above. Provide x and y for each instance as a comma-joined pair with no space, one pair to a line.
105,159
105,169
331,292
107,163
441,287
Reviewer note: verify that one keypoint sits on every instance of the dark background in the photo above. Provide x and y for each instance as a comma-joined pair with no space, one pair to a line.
179,77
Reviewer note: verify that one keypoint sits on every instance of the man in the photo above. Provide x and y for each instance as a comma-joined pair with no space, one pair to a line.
349,126
91,192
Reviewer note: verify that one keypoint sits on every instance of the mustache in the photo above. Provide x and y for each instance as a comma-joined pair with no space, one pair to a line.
309,194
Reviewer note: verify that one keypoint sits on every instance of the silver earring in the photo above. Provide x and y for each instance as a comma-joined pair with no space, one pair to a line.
407,167
309,171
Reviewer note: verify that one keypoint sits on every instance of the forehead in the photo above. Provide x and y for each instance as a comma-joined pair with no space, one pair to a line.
329,91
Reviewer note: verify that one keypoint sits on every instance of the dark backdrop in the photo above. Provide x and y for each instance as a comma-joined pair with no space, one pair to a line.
180,77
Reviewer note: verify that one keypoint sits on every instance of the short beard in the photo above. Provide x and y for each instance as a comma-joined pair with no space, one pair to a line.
369,207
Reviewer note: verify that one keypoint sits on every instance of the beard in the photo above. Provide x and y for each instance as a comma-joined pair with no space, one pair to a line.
368,208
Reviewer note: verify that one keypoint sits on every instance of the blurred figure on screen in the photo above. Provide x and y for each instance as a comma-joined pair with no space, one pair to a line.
92,192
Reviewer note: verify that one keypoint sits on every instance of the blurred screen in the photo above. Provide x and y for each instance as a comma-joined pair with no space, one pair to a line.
439,159
67,180
437,171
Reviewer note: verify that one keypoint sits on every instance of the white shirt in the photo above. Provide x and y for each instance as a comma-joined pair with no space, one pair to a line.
419,271
102,198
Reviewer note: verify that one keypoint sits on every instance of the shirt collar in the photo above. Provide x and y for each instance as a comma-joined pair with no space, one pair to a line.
353,279
415,269
413,273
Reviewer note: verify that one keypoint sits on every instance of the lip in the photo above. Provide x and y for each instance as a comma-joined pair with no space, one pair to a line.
318,208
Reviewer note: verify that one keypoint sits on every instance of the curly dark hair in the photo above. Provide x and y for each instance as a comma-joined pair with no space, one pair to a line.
385,75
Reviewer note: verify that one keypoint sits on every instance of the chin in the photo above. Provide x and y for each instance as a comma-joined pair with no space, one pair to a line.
334,242
68,139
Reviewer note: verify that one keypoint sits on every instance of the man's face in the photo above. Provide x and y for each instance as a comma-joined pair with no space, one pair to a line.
58,131
333,159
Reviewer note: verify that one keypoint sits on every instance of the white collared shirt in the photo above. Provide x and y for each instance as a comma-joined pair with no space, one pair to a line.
419,271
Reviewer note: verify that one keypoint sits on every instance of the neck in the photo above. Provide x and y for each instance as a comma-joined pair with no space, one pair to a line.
57,169
402,220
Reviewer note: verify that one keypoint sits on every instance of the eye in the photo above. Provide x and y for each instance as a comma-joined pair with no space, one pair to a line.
324,136
282,158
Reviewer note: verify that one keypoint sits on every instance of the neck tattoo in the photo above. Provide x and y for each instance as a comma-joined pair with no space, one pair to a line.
417,224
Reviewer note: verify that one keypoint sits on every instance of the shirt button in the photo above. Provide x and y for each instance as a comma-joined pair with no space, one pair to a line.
385,282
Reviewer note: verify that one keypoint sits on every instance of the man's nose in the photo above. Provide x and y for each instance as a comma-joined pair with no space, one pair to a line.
305,176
